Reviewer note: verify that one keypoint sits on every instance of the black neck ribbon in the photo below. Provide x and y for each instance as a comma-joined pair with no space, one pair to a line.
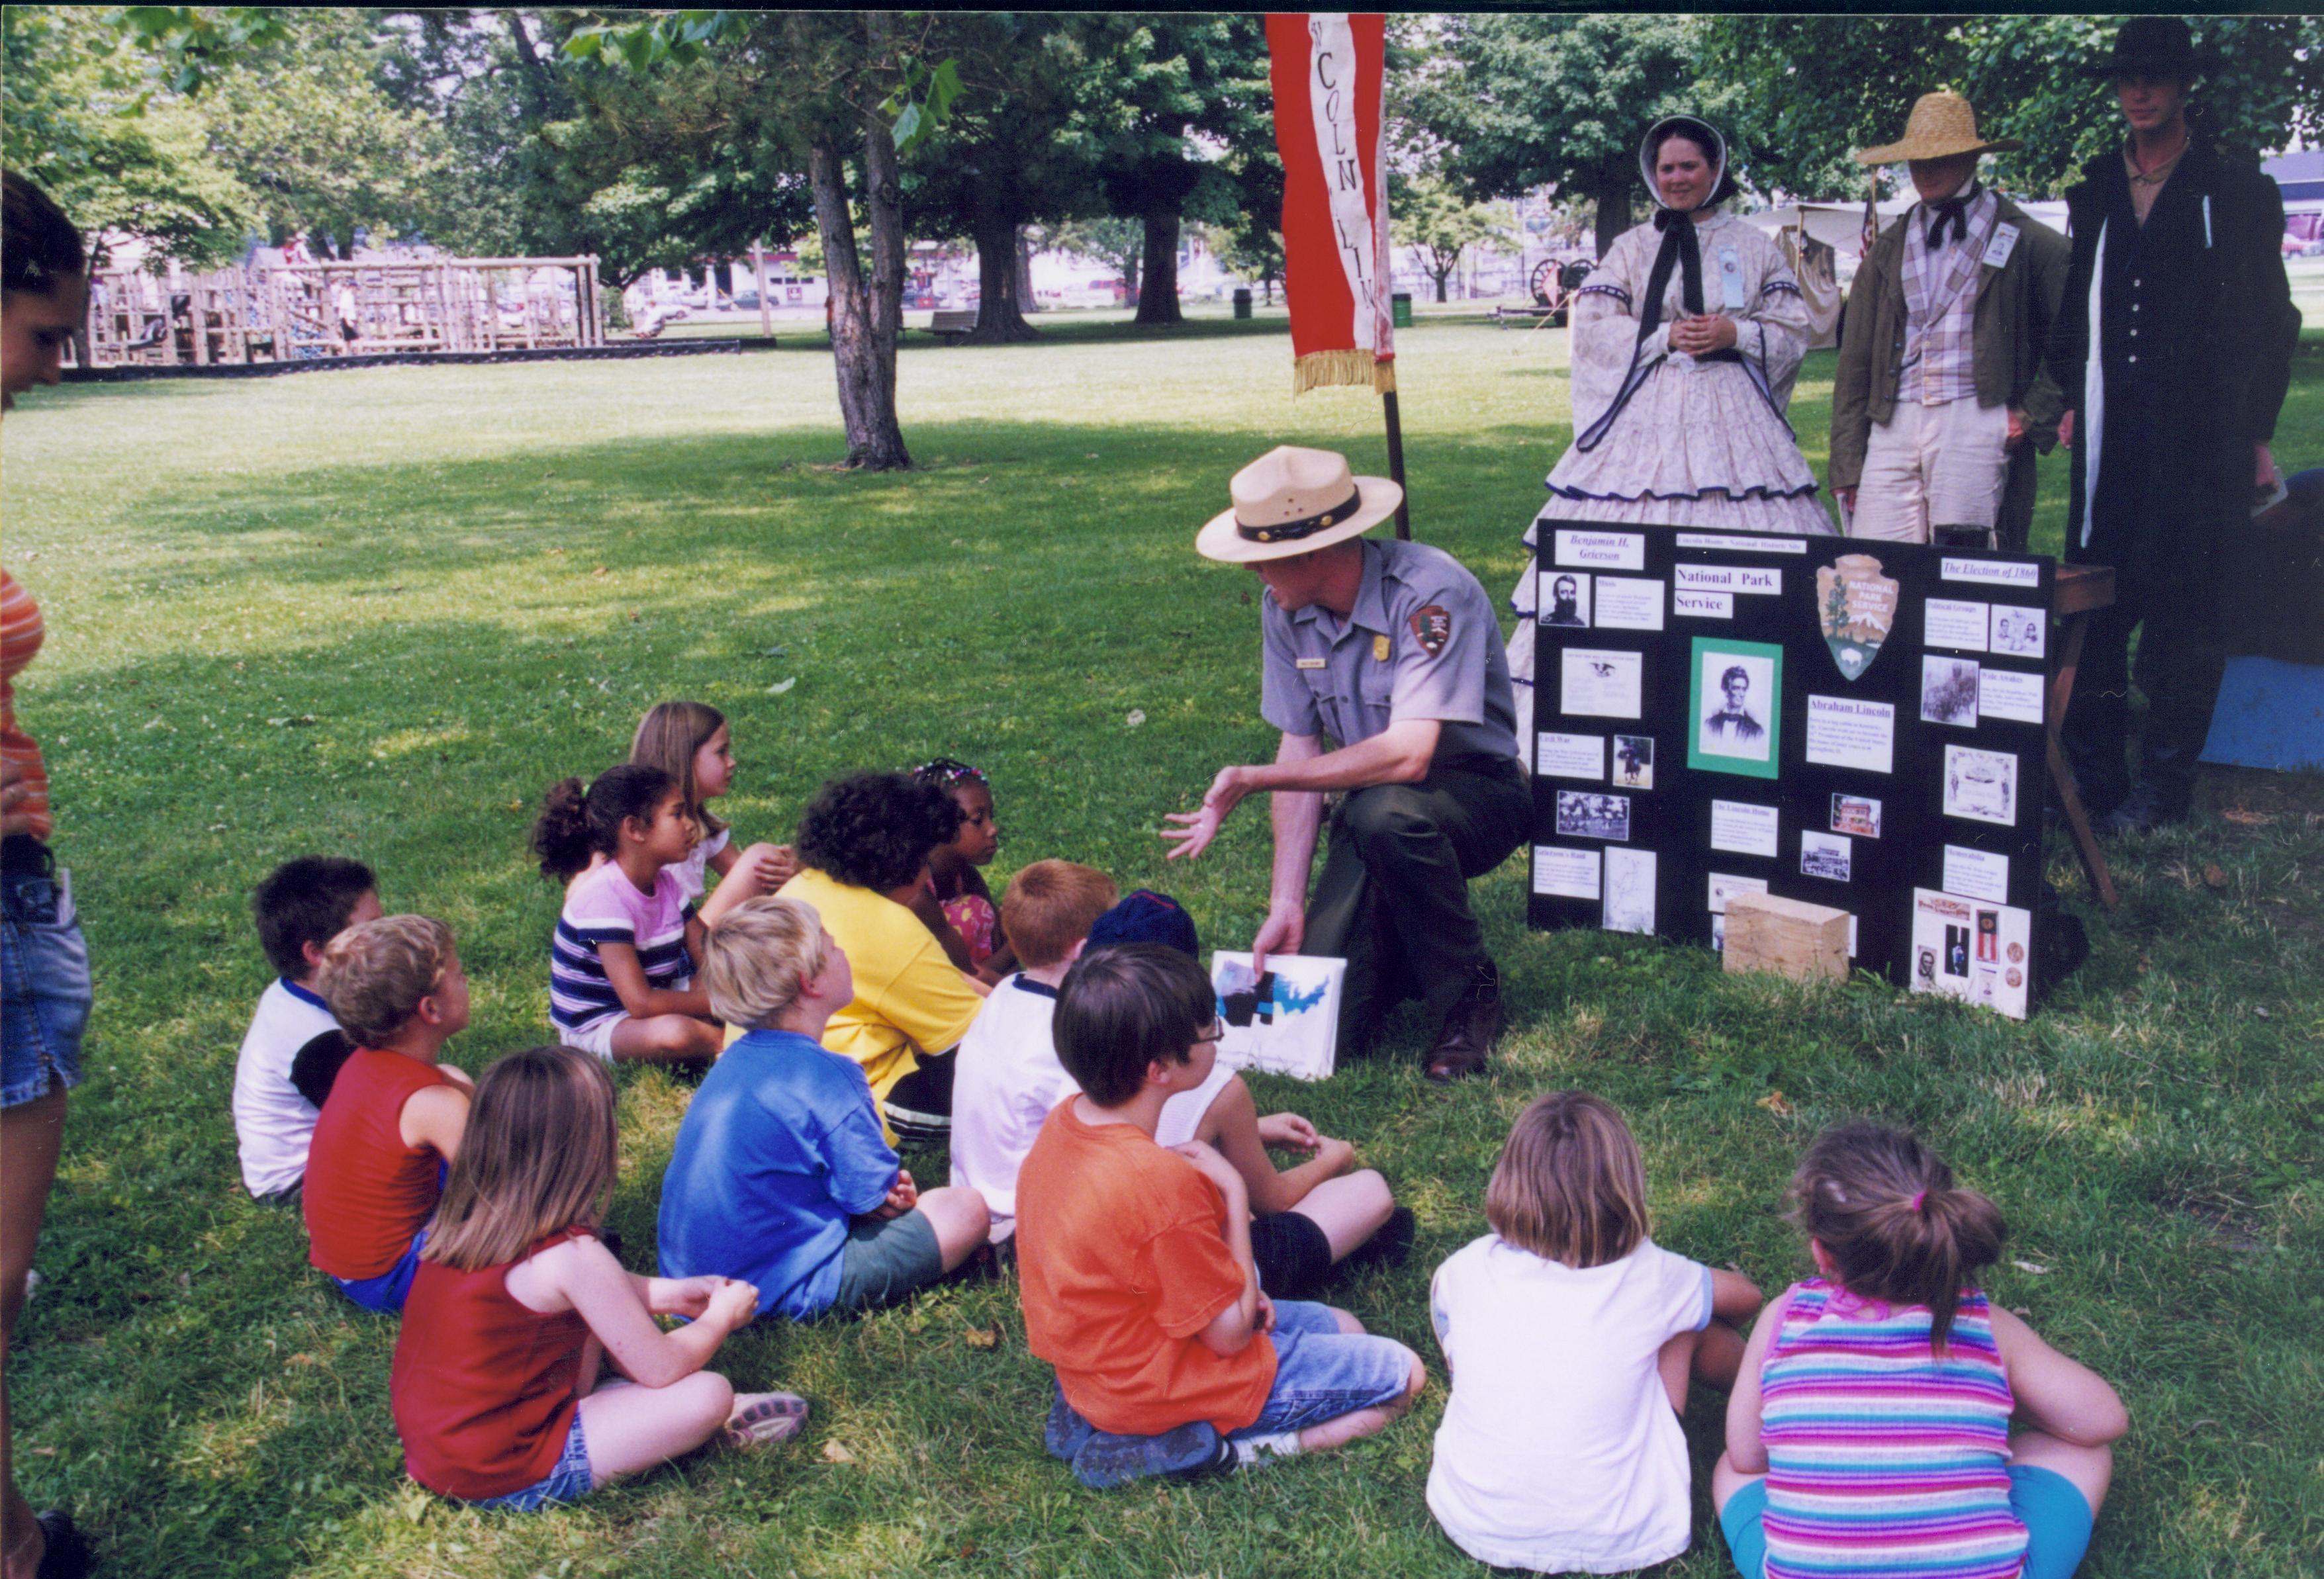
1679,248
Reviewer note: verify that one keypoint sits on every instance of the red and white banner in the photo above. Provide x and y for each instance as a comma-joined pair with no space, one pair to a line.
1327,68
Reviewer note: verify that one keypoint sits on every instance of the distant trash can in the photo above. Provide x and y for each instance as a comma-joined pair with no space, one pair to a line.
1242,301
1400,309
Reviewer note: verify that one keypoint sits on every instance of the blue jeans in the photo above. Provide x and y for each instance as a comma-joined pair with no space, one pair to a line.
1321,1373
568,1482
44,986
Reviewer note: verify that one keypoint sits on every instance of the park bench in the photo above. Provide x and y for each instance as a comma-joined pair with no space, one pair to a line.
952,324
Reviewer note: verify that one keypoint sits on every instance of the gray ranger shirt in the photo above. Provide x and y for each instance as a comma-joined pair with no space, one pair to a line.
1421,642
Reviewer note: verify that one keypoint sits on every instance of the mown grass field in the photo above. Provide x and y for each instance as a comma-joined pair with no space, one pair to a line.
377,611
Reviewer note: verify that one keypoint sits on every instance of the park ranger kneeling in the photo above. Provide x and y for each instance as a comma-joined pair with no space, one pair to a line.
1391,650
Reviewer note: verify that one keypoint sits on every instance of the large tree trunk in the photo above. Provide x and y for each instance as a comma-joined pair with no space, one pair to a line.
865,315
1001,310
1157,283
1613,206
1023,248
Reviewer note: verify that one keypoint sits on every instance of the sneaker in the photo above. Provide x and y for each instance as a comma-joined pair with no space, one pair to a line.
1187,1451
2143,810
67,1556
1390,1245
763,1419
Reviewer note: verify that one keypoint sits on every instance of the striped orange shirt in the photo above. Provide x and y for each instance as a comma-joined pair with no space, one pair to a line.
19,639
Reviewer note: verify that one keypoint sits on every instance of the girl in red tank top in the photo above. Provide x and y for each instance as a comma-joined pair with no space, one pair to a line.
517,1302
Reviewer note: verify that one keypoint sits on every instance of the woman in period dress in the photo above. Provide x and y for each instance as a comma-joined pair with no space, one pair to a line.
1686,339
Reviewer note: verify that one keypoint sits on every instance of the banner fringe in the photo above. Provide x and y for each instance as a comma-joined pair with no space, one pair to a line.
1354,365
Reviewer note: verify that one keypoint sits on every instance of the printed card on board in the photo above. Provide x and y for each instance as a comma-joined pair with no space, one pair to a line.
1565,873
1629,891
1829,856
1973,952
1557,756
1949,691
2019,632
1282,1021
1595,684
1564,599
1583,815
1981,784
1627,603
1735,690
1633,761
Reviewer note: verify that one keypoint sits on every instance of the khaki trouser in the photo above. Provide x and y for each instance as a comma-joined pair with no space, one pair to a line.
1933,466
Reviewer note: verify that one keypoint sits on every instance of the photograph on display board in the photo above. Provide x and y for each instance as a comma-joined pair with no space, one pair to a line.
1976,952
1736,699
1565,599
1633,761
2019,632
1981,784
1949,691
1583,815
1829,855
1857,814
1629,891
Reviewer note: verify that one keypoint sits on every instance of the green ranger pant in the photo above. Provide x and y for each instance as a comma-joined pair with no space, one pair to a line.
1392,900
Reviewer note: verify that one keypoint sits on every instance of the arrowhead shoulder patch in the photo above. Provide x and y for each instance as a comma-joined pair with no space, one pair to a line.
1431,627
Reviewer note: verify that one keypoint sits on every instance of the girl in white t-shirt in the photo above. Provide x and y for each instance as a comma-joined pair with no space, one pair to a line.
691,742
1571,1338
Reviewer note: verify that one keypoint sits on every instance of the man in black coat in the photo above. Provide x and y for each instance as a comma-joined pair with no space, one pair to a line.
2173,350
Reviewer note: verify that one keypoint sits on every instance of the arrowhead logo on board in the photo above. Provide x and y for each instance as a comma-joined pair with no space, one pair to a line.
1857,606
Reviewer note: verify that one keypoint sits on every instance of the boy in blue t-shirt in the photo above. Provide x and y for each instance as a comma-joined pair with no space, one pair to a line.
780,1176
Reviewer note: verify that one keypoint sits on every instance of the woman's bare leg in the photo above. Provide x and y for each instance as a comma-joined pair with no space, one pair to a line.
32,1134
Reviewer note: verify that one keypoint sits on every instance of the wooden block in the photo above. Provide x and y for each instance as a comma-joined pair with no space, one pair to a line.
1792,938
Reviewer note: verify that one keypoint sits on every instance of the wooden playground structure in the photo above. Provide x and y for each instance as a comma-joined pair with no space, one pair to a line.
302,311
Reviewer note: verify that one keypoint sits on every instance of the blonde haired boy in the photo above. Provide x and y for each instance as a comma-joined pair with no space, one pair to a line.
393,1120
780,1177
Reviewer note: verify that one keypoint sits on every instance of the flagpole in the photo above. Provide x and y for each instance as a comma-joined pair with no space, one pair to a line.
1396,465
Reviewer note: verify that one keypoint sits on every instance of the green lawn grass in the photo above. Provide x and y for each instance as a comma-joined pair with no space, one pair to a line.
376,611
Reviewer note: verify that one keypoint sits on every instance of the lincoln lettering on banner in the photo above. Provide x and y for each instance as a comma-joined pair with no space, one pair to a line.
1332,63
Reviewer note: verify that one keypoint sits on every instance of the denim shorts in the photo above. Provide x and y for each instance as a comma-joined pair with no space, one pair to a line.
1321,1373
44,988
2057,1523
569,1482
885,1259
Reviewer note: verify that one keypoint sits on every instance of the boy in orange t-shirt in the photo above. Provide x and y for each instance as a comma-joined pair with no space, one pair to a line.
1134,1260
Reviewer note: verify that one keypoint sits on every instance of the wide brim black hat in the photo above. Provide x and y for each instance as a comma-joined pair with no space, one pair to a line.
2153,46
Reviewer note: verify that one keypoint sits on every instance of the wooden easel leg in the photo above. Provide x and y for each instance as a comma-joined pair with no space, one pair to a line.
2069,799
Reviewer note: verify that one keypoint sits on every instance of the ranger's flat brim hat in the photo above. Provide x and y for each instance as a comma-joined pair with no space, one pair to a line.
1292,501
1941,126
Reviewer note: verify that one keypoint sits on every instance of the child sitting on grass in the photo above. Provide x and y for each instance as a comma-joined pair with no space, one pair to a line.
955,905
1134,1261
628,944
394,1115
298,907
1571,1338
691,742
518,1302
779,1175
1871,1428
1306,1219
863,845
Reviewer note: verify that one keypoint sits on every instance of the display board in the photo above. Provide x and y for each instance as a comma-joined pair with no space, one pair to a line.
1852,723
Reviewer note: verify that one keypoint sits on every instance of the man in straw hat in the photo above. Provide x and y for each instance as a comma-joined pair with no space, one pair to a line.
1391,650
2175,351
1940,379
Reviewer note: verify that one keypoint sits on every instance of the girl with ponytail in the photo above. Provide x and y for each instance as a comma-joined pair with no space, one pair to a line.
1889,1417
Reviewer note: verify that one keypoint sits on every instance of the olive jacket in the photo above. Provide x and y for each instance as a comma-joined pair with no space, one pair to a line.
2016,304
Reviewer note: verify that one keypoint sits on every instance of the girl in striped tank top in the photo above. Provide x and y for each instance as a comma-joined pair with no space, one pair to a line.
1889,1423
